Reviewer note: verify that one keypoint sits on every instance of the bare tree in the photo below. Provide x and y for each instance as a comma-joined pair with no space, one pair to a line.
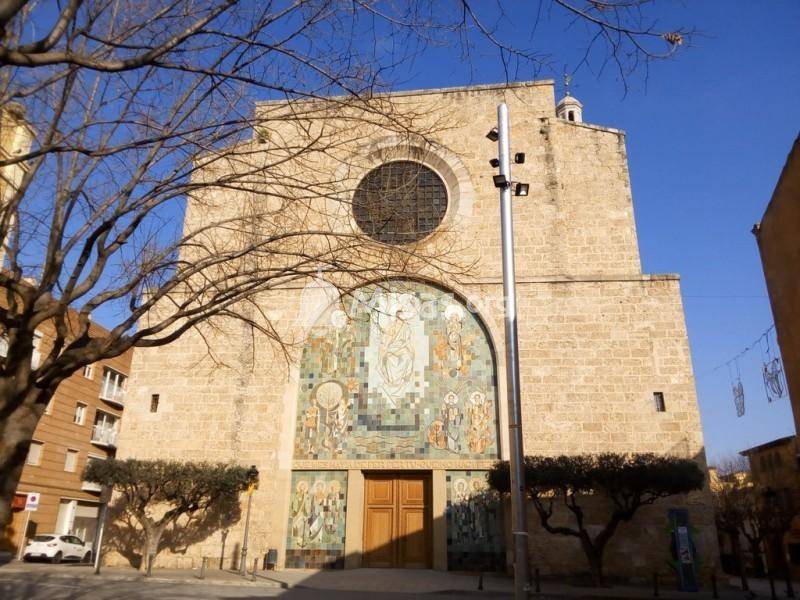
142,118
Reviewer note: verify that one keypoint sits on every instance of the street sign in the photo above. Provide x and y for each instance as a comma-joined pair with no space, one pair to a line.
32,501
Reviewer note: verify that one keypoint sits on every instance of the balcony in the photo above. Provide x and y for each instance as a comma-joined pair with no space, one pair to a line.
115,396
90,486
104,436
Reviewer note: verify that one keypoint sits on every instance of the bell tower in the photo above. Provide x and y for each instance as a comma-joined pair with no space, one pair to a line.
569,108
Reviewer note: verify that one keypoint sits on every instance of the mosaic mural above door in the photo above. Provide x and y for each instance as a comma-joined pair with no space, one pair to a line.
401,370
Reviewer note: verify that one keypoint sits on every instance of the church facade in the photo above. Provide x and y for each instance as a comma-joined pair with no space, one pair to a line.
373,432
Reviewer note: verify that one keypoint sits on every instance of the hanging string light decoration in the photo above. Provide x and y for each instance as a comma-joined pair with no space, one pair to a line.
772,371
738,389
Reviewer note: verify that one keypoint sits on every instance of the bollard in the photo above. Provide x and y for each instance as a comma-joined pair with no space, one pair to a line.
149,565
714,591
537,581
655,585
772,593
480,581
203,567
255,568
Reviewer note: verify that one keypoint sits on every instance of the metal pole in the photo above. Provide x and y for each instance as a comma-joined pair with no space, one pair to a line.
520,526
21,552
243,563
98,539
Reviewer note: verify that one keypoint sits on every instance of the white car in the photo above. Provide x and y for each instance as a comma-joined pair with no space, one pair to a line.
57,547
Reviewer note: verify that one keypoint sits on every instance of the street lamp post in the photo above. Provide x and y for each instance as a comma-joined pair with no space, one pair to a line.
253,472
105,498
519,528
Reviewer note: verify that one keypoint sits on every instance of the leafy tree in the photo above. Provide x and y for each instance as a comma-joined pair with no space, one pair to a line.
158,494
629,481
137,108
745,510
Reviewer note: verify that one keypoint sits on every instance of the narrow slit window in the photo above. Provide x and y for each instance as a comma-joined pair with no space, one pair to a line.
154,403
658,398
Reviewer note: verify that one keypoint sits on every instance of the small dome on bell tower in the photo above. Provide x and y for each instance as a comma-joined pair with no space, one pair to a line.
569,108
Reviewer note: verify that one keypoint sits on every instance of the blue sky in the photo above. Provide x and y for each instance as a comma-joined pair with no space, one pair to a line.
707,134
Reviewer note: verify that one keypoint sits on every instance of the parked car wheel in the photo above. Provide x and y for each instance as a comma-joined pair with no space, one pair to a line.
87,558
57,558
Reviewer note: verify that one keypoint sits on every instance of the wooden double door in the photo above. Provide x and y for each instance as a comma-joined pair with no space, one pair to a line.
397,520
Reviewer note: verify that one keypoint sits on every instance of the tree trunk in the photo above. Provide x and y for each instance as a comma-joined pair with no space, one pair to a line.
152,538
19,415
737,552
595,557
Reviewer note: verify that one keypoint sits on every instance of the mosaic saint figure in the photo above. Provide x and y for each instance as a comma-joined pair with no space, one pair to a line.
343,344
479,433
436,435
396,350
462,519
451,418
310,428
331,398
316,520
454,317
478,510
300,510
333,508
327,355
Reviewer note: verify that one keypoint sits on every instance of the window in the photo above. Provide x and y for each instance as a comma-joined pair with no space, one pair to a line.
571,115
91,486
113,385
36,357
400,202
71,461
658,398
35,453
154,403
88,372
104,431
80,414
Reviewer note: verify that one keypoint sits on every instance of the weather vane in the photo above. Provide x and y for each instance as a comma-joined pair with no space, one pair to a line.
567,81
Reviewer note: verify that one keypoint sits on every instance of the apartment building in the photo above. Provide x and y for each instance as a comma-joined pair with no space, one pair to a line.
79,425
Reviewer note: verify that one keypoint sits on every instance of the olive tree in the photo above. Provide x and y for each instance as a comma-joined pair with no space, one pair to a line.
169,496
629,481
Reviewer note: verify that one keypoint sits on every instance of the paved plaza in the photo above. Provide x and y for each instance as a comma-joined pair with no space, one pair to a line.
22,581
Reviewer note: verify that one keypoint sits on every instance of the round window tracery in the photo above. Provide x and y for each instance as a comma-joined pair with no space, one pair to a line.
400,202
